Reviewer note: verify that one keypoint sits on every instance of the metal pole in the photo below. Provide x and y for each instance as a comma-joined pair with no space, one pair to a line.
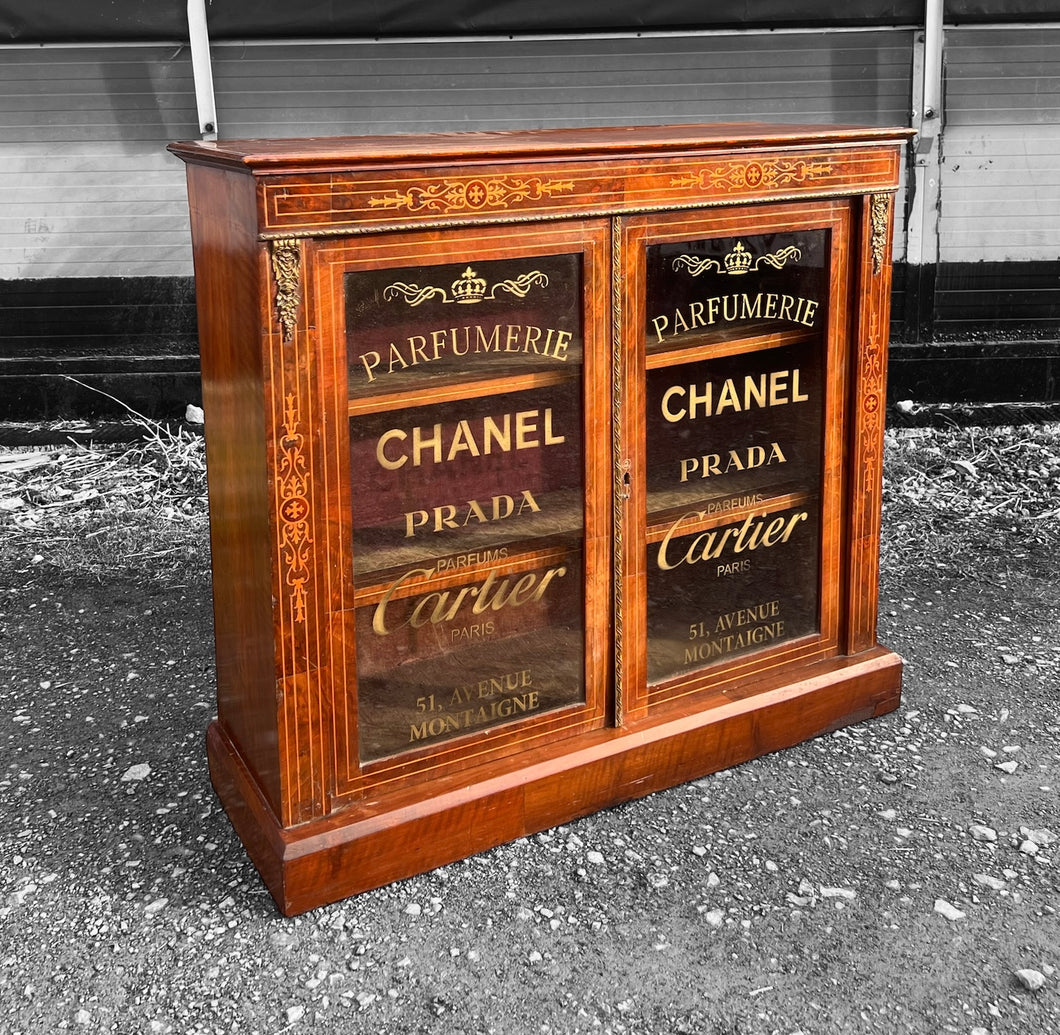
922,224
201,69
933,59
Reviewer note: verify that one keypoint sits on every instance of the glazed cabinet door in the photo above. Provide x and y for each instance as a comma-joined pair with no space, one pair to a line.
733,386
471,487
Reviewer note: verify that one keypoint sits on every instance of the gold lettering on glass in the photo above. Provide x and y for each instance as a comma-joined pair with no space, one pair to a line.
287,272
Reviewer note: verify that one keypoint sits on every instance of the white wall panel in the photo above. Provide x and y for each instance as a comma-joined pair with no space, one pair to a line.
1001,146
87,189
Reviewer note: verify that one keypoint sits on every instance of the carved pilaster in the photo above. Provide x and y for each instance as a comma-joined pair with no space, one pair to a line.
286,254
880,210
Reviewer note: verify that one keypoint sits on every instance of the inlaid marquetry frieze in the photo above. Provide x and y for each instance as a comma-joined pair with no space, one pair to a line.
767,174
318,205
447,196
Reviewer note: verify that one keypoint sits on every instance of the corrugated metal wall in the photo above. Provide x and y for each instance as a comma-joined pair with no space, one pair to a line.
999,220
86,189
95,258
1001,146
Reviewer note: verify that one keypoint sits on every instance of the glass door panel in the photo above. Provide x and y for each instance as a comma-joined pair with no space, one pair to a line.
473,380
738,379
733,445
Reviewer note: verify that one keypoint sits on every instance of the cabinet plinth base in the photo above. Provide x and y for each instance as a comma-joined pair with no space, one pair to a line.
357,848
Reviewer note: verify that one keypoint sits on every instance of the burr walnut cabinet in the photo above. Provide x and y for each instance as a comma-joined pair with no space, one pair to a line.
544,473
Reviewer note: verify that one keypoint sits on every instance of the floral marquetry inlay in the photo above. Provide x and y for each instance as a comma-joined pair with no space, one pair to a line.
294,511
473,195
764,174
872,379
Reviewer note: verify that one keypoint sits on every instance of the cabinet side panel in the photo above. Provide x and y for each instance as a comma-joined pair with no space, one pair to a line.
223,217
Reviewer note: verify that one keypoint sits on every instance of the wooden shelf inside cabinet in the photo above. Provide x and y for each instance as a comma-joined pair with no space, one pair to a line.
491,549
699,515
544,473
378,583
454,390
710,346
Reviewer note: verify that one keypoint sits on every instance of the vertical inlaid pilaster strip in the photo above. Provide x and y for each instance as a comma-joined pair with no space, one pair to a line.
620,465
868,418
301,651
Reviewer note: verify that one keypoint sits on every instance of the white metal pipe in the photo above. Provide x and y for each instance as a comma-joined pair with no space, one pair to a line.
201,69
933,59
509,37
531,37
572,37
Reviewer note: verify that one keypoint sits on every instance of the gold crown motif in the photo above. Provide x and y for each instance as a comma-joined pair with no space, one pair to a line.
738,260
469,287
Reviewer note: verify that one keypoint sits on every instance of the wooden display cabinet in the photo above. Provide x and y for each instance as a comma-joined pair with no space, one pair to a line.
544,473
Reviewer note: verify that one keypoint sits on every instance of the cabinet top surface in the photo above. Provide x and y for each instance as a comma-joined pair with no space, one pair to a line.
271,156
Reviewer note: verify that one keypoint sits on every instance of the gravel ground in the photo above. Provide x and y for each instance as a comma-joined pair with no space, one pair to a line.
898,876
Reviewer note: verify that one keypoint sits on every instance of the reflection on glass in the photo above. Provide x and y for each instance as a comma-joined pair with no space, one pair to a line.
731,585
454,478
467,476
734,444
454,652
736,427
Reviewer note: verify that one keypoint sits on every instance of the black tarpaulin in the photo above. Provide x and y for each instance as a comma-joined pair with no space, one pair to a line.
75,21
